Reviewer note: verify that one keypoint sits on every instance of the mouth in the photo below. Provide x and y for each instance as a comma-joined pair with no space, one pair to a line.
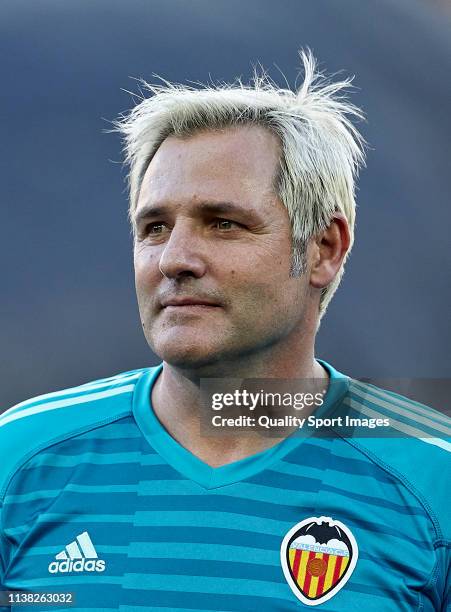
190,308
185,303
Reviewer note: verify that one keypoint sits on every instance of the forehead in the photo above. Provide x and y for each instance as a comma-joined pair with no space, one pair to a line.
235,164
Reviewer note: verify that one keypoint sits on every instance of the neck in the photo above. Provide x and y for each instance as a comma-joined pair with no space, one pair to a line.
177,402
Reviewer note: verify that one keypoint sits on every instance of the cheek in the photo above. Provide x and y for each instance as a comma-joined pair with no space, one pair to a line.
254,287
273,258
259,263
146,267
266,289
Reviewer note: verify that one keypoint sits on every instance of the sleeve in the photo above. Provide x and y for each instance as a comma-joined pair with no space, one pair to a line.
2,549
4,556
446,605
441,582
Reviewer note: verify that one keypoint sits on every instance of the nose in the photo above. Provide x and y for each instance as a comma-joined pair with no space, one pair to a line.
183,254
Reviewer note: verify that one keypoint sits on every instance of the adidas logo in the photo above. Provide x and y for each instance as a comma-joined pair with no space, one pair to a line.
78,556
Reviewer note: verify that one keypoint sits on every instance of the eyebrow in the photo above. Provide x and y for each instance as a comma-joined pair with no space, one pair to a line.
150,211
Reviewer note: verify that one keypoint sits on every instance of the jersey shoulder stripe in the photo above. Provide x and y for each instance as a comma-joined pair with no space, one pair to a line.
414,448
35,424
402,411
100,384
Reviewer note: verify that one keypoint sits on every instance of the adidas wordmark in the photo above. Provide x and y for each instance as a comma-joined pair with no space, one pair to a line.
78,556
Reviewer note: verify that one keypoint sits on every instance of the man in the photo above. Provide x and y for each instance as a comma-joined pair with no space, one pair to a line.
242,207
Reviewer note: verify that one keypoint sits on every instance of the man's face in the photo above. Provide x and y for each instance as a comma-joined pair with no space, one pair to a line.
213,250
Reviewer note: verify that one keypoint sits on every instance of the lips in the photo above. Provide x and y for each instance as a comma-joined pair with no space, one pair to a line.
187,301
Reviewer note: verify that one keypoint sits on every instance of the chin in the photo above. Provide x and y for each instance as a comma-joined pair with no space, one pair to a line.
185,351
200,361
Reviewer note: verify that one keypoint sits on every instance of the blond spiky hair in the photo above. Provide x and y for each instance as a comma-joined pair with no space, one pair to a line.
322,150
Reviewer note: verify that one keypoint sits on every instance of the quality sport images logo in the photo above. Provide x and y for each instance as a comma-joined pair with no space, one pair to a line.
78,556
318,556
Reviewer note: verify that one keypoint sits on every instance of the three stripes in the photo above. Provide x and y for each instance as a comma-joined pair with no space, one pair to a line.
81,548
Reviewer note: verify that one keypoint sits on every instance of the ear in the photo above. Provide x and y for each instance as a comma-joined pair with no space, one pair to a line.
329,250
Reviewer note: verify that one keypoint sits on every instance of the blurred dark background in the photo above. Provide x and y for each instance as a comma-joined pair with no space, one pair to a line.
67,306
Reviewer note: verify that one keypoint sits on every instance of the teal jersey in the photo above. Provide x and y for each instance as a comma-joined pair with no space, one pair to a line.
98,500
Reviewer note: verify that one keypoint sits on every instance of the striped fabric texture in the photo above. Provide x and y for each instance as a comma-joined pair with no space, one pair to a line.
97,499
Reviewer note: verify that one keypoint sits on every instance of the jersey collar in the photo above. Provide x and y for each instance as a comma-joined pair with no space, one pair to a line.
187,464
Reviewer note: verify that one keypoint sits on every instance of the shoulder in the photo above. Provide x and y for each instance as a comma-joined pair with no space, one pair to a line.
35,424
414,447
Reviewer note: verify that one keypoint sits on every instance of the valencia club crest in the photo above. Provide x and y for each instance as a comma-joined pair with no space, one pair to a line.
318,556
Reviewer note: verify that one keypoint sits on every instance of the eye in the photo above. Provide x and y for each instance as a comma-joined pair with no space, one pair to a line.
154,228
225,224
